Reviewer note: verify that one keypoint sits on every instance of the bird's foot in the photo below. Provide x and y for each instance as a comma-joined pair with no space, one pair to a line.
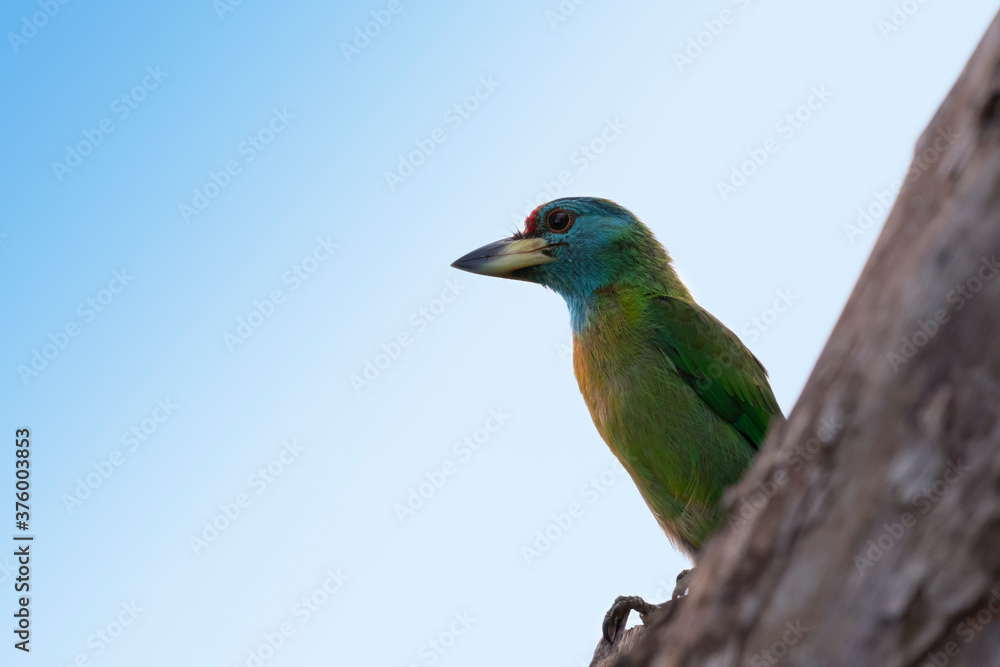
617,616
683,579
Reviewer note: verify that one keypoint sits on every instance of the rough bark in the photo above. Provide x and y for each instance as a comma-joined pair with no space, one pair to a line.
868,530
609,655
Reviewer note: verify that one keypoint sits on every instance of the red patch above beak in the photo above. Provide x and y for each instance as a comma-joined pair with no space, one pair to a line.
531,221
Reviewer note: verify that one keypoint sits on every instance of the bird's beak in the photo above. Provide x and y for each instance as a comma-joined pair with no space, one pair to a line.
502,258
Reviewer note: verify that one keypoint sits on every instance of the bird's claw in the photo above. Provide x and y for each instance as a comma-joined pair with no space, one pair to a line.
683,579
617,616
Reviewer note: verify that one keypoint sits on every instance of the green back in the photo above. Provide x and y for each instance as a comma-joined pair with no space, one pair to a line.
713,361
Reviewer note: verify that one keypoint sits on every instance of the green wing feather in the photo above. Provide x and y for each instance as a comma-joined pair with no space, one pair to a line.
713,361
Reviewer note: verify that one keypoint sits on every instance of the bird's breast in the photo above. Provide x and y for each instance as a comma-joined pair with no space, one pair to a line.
611,360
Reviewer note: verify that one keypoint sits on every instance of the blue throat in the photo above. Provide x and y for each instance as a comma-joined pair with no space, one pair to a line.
579,290
578,310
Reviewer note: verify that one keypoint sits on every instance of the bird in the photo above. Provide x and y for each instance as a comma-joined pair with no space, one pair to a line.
678,398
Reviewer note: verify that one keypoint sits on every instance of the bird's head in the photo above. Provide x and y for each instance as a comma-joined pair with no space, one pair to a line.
576,245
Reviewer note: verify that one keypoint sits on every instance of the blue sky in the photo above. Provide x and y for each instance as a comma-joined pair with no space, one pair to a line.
228,299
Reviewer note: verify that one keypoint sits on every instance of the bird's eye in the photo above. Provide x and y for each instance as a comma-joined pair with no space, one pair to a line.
558,220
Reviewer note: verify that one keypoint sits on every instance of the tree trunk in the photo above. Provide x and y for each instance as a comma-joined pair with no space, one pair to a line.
868,530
